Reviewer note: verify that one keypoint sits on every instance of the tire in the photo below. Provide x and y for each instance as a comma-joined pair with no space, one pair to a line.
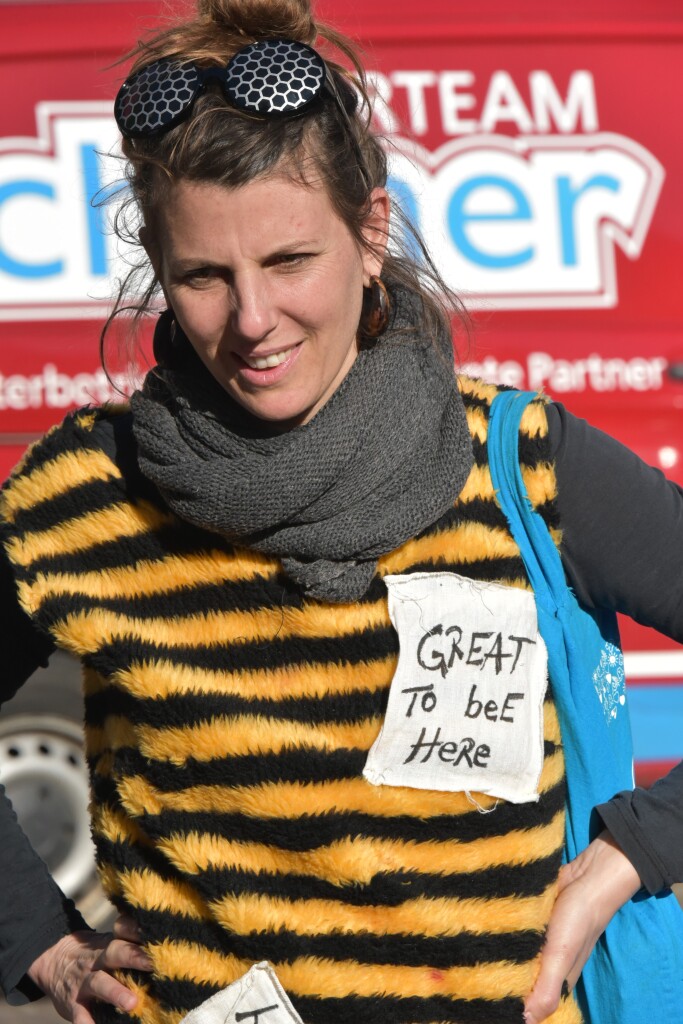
43,769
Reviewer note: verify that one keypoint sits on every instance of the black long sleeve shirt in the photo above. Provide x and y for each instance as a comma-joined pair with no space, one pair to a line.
622,549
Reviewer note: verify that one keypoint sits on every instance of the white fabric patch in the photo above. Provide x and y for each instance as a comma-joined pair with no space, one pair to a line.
255,998
465,710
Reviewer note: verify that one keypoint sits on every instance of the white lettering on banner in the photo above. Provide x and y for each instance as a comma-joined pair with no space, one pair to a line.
529,223
465,709
501,103
594,373
255,998
52,389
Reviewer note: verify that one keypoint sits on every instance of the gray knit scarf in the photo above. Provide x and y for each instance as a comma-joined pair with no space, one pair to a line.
382,460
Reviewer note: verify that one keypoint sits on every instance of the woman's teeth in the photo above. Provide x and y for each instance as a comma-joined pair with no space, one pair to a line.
266,362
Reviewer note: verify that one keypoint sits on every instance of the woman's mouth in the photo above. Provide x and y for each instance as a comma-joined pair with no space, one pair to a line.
266,362
264,370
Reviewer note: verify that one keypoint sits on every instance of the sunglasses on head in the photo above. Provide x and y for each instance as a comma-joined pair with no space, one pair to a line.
271,78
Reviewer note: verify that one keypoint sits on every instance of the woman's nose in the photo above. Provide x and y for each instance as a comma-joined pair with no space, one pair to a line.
254,313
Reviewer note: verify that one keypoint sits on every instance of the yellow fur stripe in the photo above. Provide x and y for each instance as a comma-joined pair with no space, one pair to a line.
551,724
229,736
431,918
87,531
534,421
360,858
471,542
147,891
112,825
477,388
290,800
163,679
190,961
166,575
541,484
55,478
109,877
313,976
478,485
477,423
552,772
91,629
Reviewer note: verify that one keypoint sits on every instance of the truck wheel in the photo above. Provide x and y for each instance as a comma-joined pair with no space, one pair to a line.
43,770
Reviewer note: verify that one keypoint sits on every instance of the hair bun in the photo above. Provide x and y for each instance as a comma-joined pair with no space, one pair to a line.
261,19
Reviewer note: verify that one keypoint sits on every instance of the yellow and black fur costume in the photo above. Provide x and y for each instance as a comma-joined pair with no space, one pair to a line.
227,724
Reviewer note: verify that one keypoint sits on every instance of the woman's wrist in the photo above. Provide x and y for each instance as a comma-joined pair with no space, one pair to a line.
612,876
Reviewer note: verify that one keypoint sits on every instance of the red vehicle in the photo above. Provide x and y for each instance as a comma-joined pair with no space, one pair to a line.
538,148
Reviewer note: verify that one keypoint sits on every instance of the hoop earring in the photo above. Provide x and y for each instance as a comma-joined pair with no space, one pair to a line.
376,308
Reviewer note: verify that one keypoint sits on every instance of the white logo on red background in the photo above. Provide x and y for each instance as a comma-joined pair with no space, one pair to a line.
513,222
530,223
58,257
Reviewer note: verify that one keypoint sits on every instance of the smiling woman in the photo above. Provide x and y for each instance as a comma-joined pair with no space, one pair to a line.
272,314
312,655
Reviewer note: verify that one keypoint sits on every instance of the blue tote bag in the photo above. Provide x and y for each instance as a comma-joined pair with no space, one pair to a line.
635,973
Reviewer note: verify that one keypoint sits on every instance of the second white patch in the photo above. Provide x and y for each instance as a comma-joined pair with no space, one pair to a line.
465,710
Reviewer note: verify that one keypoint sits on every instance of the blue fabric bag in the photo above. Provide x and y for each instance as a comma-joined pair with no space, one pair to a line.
635,973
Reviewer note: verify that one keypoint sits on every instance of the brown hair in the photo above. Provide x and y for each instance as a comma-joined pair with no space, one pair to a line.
220,145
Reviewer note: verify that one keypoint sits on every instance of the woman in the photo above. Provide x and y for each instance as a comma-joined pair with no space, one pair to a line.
215,554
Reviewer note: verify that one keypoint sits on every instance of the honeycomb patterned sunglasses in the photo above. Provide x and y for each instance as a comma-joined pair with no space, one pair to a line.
271,78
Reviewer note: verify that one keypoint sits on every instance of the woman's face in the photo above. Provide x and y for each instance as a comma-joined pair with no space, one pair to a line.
267,281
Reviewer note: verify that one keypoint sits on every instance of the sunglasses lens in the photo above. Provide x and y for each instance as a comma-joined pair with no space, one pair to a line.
155,98
274,76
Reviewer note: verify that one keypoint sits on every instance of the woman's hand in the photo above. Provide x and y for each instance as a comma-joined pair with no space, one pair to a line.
591,889
77,970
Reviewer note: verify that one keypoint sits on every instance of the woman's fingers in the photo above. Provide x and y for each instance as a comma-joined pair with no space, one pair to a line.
568,943
100,983
78,970
120,953
105,987
127,928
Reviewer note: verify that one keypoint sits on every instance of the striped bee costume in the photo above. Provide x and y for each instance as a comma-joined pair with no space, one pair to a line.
228,720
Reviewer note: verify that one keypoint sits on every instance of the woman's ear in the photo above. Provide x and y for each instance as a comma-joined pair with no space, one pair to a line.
376,234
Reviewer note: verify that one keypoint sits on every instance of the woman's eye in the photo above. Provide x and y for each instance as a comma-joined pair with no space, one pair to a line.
199,275
292,259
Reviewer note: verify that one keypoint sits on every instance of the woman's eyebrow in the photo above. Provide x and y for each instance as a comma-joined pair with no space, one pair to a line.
298,243
183,263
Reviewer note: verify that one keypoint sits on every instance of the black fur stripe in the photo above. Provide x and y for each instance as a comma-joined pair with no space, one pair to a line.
276,653
307,832
186,710
390,889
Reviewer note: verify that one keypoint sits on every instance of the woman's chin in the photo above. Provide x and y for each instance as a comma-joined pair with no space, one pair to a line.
278,409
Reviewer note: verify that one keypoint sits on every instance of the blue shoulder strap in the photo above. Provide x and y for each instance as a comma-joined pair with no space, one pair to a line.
540,555
597,751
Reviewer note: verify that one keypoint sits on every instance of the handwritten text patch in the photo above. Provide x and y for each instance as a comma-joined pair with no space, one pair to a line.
465,710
